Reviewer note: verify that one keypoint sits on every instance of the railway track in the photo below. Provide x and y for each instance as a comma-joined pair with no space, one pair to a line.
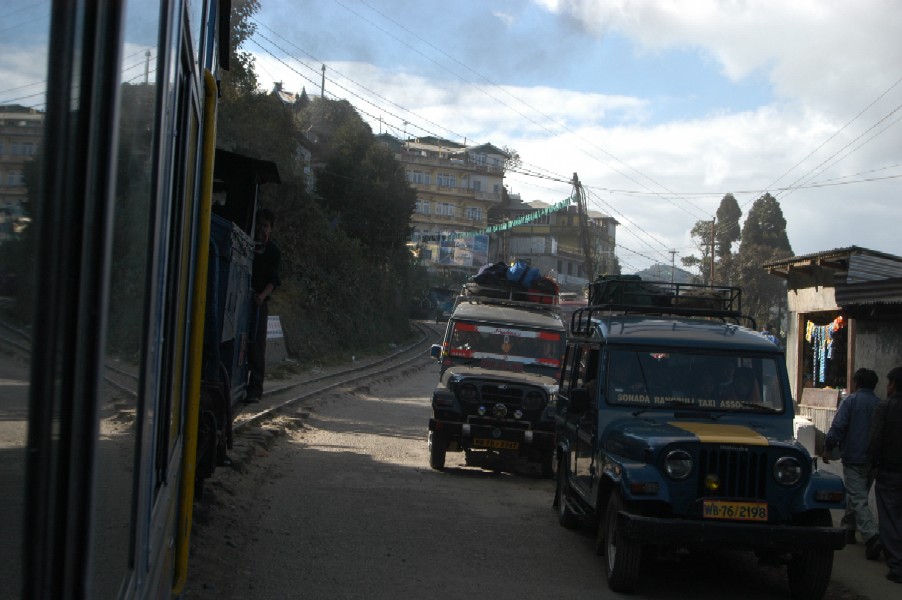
278,397
122,379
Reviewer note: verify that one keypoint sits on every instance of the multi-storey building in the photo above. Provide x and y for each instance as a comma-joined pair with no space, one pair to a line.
552,241
21,133
456,187
459,186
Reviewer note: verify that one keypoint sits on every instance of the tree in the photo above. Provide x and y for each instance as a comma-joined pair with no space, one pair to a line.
701,237
764,239
240,78
361,183
726,230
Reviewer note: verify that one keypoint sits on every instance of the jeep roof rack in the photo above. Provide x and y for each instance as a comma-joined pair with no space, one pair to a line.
508,296
624,295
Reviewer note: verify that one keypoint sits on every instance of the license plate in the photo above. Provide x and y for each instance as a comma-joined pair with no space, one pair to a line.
500,444
736,511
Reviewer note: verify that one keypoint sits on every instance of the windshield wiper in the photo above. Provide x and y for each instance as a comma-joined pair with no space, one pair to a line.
758,407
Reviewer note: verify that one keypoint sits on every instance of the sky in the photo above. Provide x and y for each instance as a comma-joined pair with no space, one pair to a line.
660,107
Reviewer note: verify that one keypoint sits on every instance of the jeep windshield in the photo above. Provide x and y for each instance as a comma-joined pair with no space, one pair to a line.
505,348
695,381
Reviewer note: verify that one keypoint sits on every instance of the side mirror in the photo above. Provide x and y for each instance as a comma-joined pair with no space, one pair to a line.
579,400
436,351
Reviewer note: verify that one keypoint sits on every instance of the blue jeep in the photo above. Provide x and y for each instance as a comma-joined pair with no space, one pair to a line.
675,430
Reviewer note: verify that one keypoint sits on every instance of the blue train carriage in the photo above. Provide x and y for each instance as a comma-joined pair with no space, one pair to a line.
236,183
97,502
675,430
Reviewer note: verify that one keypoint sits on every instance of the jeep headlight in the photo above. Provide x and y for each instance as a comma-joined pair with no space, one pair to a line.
787,470
533,401
678,464
467,393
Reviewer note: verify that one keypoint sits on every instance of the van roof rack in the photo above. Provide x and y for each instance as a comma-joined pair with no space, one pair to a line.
475,293
624,295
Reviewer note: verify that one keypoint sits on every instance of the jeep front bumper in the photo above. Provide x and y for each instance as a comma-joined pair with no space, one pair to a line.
492,437
681,532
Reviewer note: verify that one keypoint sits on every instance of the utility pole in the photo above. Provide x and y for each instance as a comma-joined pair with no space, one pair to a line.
322,87
588,261
711,281
673,254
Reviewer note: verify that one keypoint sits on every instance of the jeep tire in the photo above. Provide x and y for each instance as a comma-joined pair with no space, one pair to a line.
622,557
809,569
438,447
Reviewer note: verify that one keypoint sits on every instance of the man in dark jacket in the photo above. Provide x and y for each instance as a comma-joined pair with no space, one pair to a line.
885,452
850,432
265,277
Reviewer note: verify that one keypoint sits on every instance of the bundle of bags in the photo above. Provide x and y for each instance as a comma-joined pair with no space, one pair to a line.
524,281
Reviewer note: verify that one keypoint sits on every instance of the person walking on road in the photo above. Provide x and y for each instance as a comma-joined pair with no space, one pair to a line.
265,277
850,432
885,453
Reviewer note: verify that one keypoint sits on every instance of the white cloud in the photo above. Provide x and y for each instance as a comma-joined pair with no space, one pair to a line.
827,65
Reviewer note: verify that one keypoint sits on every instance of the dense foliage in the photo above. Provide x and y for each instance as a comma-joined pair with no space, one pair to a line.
347,272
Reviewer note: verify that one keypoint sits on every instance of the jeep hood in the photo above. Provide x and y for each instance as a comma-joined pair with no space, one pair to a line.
639,438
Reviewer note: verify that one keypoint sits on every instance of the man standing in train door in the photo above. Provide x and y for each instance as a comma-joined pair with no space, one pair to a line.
265,277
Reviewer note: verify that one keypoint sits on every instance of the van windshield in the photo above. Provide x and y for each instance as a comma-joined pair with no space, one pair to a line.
506,348
702,381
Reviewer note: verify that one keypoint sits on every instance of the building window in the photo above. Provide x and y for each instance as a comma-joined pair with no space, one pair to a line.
560,266
497,188
418,177
423,207
477,186
445,209
446,180
474,213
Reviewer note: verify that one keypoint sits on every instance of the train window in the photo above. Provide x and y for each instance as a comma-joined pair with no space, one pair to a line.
22,116
121,409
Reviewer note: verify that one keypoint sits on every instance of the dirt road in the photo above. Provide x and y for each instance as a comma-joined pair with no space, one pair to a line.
336,500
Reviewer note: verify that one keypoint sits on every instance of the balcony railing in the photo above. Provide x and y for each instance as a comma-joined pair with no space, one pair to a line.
455,163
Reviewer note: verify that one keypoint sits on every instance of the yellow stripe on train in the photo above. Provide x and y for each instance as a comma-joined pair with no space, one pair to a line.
714,433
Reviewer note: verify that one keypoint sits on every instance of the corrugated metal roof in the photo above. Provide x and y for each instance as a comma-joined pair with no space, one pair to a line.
868,267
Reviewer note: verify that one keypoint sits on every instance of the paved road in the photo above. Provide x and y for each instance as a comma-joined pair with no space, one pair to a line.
335,500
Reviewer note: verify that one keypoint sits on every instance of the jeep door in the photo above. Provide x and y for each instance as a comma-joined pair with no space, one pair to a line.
581,425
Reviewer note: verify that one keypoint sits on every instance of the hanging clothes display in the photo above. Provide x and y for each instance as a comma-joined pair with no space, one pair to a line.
828,343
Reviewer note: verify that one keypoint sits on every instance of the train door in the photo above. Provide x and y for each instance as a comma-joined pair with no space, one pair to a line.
93,411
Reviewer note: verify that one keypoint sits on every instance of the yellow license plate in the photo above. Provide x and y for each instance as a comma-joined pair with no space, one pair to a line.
735,511
500,444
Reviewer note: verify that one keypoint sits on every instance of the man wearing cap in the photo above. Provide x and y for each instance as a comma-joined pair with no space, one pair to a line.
885,453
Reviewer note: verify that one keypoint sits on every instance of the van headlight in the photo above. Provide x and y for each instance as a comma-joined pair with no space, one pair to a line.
678,464
787,470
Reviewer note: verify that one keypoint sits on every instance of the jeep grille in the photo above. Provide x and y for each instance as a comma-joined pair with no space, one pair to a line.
742,474
491,394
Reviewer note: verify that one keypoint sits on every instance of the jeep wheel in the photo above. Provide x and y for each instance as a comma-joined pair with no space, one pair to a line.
437,450
809,570
565,516
622,557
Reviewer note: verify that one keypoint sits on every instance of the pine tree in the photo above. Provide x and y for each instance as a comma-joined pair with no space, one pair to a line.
764,239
